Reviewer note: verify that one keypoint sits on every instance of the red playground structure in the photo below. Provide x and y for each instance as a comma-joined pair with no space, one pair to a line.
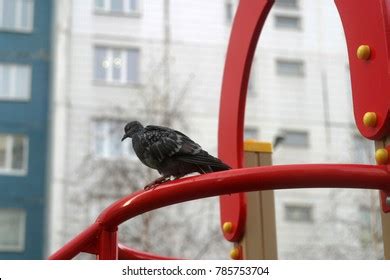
366,24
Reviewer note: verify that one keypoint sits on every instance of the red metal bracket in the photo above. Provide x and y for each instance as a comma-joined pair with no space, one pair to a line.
383,159
384,204
366,22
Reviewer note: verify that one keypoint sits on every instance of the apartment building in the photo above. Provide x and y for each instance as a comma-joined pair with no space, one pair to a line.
117,60
25,32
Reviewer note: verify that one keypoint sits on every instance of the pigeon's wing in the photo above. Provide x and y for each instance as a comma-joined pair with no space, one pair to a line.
162,142
204,159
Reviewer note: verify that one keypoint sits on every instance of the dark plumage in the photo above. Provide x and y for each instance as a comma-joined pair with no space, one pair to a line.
170,152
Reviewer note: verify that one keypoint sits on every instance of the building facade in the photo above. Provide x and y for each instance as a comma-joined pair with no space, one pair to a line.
25,40
121,60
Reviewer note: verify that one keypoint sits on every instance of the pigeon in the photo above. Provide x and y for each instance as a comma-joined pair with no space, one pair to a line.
170,152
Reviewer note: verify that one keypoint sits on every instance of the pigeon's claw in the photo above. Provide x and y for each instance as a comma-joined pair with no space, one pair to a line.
154,184
150,186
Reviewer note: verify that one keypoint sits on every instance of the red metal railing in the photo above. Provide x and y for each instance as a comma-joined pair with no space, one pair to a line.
101,237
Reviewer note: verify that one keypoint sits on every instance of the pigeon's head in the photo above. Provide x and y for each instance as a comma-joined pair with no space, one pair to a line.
131,128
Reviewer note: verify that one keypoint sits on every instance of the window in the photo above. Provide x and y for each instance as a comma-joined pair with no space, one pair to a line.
13,154
229,11
298,213
107,140
126,7
370,224
120,66
17,15
348,81
286,3
12,230
252,80
293,68
250,133
299,139
15,81
287,22
361,149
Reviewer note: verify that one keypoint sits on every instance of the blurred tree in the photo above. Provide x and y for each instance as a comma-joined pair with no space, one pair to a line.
350,226
190,230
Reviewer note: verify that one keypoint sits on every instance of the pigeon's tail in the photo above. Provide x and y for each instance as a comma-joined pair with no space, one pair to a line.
205,162
219,166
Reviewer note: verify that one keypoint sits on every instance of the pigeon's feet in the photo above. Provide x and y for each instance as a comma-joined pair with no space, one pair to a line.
154,184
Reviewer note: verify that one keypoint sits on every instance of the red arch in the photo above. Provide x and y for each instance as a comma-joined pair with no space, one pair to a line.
248,22
365,22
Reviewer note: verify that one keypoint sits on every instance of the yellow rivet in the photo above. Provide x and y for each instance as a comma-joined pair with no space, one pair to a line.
382,156
227,227
235,253
363,52
369,119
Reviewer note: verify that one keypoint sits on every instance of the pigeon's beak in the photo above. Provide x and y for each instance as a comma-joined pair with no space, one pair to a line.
124,137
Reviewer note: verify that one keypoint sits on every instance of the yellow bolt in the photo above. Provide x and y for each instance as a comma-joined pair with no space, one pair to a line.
227,227
370,119
235,253
382,156
363,52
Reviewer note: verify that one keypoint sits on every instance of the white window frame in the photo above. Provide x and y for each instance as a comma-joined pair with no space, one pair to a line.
12,94
109,72
18,20
22,233
106,10
7,170
125,145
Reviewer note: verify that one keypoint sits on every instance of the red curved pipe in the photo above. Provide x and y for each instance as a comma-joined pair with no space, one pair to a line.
126,253
226,182
245,180
81,243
